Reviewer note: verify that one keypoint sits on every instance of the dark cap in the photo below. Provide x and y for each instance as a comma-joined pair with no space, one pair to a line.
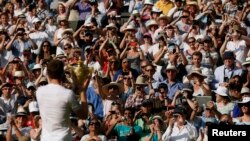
5,85
187,87
88,33
146,103
180,110
207,39
228,55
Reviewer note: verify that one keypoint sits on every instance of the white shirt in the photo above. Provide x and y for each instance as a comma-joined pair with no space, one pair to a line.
38,37
187,133
239,48
85,137
55,105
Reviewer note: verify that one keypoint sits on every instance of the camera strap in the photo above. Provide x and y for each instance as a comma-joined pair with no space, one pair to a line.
231,73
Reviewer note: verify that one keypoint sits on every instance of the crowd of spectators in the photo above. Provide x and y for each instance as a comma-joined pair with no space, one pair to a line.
164,73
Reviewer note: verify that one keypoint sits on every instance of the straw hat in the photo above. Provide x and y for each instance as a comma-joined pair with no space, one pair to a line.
195,71
68,31
194,3
245,90
130,27
150,23
106,91
140,80
111,25
222,91
148,2
19,74
247,62
21,111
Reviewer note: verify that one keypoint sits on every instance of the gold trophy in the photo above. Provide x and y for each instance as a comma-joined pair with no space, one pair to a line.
80,72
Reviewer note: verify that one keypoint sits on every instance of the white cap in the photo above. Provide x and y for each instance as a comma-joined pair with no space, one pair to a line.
35,20
245,100
245,90
37,66
31,84
155,9
33,106
222,91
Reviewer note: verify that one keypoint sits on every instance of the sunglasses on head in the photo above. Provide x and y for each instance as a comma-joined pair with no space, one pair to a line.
6,88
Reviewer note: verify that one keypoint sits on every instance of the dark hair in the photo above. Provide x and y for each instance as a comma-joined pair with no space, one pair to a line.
41,55
197,53
55,69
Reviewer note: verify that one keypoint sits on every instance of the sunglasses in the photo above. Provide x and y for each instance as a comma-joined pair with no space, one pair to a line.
31,89
94,123
45,45
126,78
66,48
184,16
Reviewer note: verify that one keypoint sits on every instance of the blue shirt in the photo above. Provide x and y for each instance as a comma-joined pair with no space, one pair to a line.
221,72
236,111
173,88
96,100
